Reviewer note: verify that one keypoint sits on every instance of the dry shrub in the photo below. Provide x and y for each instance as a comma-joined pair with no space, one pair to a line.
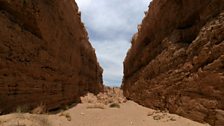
96,106
114,105
41,120
41,109
22,109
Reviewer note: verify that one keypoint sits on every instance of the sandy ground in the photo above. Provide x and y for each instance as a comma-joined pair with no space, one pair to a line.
108,108
84,114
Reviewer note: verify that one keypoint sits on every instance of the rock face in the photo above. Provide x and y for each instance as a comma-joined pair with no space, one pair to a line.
45,55
176,61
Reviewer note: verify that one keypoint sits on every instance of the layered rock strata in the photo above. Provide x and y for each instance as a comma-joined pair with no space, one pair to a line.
45,55
176,61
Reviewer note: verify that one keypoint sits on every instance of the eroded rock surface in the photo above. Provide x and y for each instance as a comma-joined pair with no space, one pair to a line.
45,56
176,61
110,97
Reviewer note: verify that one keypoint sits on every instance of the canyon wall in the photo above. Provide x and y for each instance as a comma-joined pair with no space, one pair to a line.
176,61
45,55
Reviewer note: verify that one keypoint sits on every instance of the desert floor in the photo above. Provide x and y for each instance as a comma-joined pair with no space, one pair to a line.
95,112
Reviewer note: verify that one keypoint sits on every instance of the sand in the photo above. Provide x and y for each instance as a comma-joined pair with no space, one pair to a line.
87,114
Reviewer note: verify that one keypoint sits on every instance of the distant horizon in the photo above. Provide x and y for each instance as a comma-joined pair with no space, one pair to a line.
111,25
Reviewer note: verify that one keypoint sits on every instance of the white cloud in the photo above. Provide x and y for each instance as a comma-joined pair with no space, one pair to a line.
111,24
84,4
111,55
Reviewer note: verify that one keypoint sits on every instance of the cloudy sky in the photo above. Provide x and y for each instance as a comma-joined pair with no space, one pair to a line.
110,25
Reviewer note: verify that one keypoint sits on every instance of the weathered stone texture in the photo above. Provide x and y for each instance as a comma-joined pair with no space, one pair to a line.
176,61
45,55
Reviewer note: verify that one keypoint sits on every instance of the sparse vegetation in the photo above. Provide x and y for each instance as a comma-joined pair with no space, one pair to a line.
96,106
19,119
41,109
40,120
114,105
18,109
22,109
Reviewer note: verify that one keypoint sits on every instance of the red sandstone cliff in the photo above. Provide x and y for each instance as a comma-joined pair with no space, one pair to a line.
45,56
176,61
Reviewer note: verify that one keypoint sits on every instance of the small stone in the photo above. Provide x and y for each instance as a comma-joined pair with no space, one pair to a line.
157,117
150,113
172,119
